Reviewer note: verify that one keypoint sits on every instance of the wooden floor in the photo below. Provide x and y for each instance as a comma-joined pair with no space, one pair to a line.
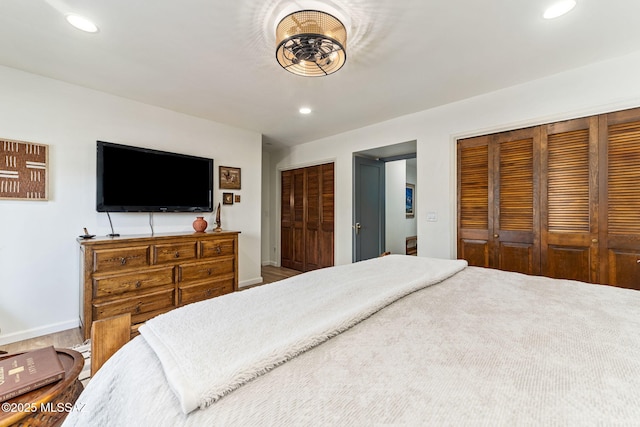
273,274
72,337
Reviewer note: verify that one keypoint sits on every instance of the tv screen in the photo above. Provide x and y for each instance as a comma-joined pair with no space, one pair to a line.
132,179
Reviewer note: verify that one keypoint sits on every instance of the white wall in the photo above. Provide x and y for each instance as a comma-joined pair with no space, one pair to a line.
601,87
395,212
266,251
411,224
39,275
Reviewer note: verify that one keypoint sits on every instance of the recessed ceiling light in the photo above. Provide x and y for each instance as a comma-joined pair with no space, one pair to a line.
82,23
559,9
305,110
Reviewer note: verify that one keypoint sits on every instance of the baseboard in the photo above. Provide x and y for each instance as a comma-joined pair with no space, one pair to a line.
270,263
250,282
38,332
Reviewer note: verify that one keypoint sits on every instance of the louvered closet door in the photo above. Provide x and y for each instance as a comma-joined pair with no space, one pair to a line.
299,190
312,221
569,200
327,207
307,217
620,198
516,224
292,219
286,220
473,201
318,239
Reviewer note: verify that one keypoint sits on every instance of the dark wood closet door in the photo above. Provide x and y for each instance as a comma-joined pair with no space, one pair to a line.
561,199
498,201
620,198
569,239
307,218
474,199
327,215
516,223
312,220
286,219
292,219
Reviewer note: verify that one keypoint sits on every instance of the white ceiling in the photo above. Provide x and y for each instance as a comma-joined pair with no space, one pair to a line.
216,59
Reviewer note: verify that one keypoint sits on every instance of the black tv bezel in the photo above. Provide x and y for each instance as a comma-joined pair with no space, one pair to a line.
101,207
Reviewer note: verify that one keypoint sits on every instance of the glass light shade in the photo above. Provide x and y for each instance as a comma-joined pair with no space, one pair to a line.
311,43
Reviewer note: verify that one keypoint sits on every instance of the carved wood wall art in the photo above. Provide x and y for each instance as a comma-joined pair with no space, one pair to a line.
23,170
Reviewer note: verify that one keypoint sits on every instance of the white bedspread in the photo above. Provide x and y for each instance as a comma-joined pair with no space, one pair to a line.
210,348
484,347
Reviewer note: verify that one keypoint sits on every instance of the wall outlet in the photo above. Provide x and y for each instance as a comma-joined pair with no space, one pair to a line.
432,216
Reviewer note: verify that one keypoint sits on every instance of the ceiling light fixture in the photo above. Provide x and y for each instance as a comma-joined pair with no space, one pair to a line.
305,110
559,9
311,43
82,23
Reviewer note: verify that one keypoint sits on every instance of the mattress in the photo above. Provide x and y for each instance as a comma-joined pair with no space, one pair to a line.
483,347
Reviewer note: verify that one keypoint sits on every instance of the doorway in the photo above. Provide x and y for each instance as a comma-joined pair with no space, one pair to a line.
368,208
380,221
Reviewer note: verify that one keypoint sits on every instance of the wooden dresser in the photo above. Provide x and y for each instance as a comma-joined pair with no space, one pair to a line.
150,275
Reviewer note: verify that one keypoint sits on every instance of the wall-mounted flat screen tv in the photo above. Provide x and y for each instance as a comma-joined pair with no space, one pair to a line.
133,179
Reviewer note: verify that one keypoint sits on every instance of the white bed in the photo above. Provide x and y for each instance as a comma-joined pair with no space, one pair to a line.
482,347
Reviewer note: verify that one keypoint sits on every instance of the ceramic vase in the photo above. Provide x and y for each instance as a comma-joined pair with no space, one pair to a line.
200,224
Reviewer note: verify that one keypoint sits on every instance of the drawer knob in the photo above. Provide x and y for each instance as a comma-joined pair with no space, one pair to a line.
638,261
123,261
138,284
208,292
218,250
177,254
137,310
209,271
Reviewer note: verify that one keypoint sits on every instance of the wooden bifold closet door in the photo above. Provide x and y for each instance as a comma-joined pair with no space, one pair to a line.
569,199
307,217
498,202
559,200
620,203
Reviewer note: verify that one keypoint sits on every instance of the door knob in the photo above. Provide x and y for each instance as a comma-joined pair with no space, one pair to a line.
496,235
357,227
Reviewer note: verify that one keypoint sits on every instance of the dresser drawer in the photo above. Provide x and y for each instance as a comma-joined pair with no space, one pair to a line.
205,269
217,248
137,305
120,259
142,280
174,252
202,291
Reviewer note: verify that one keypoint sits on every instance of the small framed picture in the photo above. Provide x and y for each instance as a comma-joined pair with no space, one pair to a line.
236,198
409,200
227,198
229,178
